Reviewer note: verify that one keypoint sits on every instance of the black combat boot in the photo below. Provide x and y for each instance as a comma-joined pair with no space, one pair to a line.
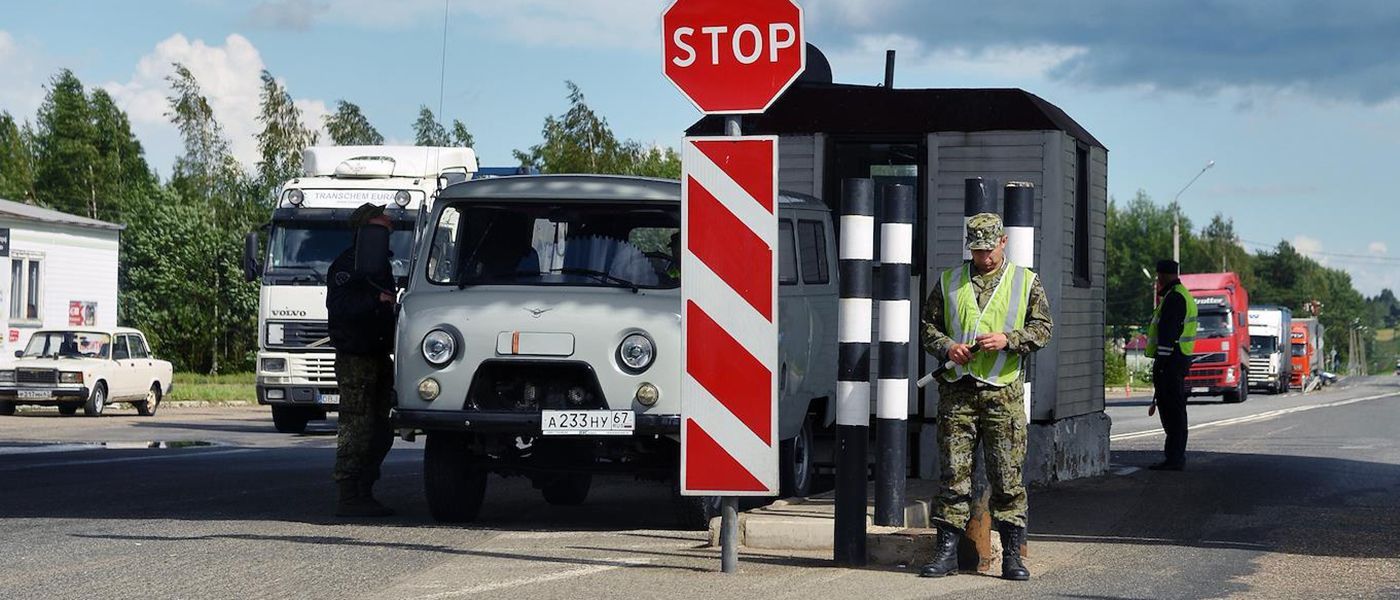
352,501
945,554
1012,539
367,493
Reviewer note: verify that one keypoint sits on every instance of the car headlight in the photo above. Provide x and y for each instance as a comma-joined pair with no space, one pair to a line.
439,347
7,376
275,365
636,352
70,377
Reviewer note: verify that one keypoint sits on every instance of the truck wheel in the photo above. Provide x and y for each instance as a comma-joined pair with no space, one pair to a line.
289,419
97,401
1239,394
693,512
795,457
147,407
568,490
69,408
7,408
454,484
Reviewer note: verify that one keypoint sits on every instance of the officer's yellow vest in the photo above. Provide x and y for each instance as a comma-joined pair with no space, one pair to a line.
1187,343
1005,311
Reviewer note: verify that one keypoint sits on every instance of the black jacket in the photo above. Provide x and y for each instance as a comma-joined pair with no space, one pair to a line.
1172,321
360,323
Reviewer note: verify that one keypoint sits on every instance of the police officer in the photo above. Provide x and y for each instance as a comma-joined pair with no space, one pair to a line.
984,315
360,301
1171,338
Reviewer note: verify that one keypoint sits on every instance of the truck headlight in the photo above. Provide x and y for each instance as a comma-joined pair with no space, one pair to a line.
275,365
70,377
439,347
636,353
7,376
402,197
294,197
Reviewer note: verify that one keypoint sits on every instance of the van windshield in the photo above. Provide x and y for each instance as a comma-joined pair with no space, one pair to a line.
630,245
1262,345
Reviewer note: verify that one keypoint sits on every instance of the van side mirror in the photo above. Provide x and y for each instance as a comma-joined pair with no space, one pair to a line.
252,267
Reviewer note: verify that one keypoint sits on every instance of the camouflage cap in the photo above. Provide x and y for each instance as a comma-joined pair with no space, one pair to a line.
984,231
364,213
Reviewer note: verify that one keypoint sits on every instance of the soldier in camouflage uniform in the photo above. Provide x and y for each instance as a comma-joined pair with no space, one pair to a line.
360,305
996,314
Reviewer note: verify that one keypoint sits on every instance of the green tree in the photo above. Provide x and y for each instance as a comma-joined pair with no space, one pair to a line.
427,131
282,138
460,136
1138,235
64,177
1385,308
16,161
580,141
349,127
122,174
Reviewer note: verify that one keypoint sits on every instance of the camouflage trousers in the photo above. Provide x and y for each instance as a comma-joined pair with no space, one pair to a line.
365,435
995,417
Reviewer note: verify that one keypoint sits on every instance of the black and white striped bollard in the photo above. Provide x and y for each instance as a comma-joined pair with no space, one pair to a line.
978,197
856,253
892,387
1019,198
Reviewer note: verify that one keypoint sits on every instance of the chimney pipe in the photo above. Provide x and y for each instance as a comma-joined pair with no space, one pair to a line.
889,69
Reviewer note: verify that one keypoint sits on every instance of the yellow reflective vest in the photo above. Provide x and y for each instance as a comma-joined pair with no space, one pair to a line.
1005,312
1187,342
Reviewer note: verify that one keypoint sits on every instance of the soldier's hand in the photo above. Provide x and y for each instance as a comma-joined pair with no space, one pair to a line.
960,353
386,297
992,342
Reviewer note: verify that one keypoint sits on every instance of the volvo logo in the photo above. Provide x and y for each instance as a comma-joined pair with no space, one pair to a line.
536,312
288,313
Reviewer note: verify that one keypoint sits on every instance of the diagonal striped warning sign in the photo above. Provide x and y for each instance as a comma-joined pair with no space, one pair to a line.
729,291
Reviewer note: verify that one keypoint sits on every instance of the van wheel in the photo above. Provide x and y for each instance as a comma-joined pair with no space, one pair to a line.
795,457
693,512
147,407
97,401
7,408
289,419
568,490
452,480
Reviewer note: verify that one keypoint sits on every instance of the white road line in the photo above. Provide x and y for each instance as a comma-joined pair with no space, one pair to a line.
605,565
101,461
1253,418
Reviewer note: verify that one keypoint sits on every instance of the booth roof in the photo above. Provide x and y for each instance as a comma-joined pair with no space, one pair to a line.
29,212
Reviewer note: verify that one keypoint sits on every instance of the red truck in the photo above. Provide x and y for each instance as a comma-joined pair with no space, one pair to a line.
1307,351
1221,362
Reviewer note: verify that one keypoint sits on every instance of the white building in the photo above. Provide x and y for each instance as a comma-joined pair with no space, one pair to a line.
58,270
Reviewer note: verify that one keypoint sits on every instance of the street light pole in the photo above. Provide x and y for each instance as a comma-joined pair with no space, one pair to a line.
1176,214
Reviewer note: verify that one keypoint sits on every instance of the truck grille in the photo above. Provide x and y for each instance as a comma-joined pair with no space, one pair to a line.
1259,370
302,334
1205,373
314,369
1216,357
43,376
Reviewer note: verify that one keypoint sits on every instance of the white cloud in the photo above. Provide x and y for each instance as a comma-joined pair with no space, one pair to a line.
1309,247
23,89
229,76
1378,248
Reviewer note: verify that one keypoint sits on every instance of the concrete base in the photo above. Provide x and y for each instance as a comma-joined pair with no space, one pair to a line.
808,523
1067,449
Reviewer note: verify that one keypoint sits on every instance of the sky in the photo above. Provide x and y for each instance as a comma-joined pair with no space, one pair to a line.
1296,101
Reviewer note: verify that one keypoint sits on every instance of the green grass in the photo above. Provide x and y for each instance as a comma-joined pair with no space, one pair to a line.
230,388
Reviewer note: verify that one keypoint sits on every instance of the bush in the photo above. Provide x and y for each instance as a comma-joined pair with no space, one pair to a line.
1115,366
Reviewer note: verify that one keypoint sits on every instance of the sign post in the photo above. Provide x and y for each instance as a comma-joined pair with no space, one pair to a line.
730,58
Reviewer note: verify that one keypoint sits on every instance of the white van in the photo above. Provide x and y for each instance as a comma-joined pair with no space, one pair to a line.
540,335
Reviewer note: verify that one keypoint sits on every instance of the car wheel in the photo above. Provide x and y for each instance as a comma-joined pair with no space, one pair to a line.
289,419
569,489
797,471
7,408
453,480
147,407
70,408
97,401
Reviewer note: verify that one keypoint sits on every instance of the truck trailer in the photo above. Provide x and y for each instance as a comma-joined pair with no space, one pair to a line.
1270,363
1220,365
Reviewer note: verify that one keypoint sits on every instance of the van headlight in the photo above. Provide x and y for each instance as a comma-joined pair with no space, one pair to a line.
439,347
636,353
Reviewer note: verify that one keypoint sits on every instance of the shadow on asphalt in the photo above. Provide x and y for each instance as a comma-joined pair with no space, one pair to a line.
313,429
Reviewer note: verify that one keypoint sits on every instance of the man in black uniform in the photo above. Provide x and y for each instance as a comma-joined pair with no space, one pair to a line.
1171,339
360,301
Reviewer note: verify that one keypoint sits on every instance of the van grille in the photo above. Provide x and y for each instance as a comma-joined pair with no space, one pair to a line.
531,385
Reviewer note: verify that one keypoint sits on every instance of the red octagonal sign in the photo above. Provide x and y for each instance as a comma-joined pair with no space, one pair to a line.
728,56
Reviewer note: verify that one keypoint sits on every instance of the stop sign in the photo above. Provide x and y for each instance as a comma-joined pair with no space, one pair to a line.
733,57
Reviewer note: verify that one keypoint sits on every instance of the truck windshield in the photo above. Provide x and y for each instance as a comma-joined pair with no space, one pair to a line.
1262,345
1213,324
68,344
629,245
301,248
1300,349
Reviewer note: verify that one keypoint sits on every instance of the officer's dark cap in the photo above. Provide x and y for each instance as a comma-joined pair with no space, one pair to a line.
364,213
1168,267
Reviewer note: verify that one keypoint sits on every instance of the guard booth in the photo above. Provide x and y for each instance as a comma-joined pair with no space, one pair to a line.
933,140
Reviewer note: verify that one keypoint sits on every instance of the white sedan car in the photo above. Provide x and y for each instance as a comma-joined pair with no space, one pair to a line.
85,368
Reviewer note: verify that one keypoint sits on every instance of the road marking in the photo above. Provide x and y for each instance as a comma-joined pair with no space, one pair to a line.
1126,471
1142,540
45,448
604,565
101,461
1254,417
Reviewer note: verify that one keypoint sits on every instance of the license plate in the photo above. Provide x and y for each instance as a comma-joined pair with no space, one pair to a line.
1200,390
34,394
330,398
587,422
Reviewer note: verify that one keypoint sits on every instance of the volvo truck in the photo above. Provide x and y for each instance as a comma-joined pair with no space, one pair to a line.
308,229
1220,365
1270,361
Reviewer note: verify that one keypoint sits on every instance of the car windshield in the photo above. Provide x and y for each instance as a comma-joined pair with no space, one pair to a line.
301,247
68,344
1262,345
629,245
1213,324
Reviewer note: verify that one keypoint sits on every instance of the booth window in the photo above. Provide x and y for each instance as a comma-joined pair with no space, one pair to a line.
1081,217
26,289
787,256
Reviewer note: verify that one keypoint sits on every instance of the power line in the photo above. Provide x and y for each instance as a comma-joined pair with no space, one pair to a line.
1371,257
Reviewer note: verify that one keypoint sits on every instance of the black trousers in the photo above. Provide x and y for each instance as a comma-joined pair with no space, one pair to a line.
1169,386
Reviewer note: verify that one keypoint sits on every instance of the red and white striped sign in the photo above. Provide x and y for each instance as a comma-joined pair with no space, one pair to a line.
729,291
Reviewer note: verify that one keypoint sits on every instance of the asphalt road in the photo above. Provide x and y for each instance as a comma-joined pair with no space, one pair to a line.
1284,497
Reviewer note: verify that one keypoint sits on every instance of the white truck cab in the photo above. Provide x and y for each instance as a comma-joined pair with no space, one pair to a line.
1270,361
308,229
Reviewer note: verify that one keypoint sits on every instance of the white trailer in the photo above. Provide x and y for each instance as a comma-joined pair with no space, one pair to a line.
1270,332
308,229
